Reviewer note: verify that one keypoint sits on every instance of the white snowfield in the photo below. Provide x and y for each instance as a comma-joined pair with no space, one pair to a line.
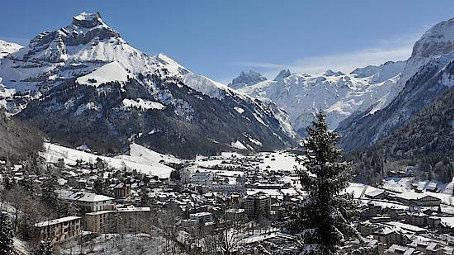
8,48
238,145
141,159
142,104
107,73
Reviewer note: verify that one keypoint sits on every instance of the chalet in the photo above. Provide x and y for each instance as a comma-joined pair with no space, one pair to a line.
388,236
122,190
432,187
416,199
377,194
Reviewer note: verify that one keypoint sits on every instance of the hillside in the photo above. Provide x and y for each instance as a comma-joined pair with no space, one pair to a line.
18,141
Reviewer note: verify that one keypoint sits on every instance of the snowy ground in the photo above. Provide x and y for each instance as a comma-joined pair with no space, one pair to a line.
277,161
116,244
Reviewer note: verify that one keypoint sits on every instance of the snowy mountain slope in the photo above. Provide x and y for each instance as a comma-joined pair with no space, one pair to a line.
8,48
84,84
140,159
338,94
427,75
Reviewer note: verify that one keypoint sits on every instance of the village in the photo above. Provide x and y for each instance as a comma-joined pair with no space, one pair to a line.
234,202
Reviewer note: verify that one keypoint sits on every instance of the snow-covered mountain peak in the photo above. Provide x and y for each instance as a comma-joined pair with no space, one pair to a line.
87,20
246,78
379,73
7,48
79,49
282,75
87,38
438,40
330,72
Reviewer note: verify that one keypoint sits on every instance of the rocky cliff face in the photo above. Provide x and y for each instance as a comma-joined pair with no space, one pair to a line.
246,79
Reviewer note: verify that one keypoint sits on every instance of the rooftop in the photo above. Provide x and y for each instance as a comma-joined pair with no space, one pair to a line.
56,221
83,196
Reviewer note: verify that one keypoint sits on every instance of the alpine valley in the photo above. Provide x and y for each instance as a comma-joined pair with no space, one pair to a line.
107,150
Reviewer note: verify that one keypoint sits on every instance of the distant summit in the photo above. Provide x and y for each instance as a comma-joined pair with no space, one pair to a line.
7,48
330,72
246,79
282,75
87,20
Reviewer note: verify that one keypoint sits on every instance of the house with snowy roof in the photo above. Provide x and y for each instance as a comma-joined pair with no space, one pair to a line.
86,201
416,199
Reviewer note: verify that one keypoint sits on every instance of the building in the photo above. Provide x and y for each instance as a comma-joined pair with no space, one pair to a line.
257,205
228,185
388,236
377,194
201,178
87,202
235,215
122,190
58,230
121,220
97,222
130,220
416,199
201,217
431,248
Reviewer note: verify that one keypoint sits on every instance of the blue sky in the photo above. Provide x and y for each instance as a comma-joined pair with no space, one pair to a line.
221,38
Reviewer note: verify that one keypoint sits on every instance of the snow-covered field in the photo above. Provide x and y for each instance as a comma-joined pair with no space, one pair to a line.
277,161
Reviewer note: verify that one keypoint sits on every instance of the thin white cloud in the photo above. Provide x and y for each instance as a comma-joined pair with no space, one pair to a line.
385,50
346,62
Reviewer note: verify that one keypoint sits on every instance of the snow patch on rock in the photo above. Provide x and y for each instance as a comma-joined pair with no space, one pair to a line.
238,145
107,73
142,104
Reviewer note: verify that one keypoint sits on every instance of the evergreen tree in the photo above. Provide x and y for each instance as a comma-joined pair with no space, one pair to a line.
6,235
49,196
45,248
324,218
144,197
99,186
